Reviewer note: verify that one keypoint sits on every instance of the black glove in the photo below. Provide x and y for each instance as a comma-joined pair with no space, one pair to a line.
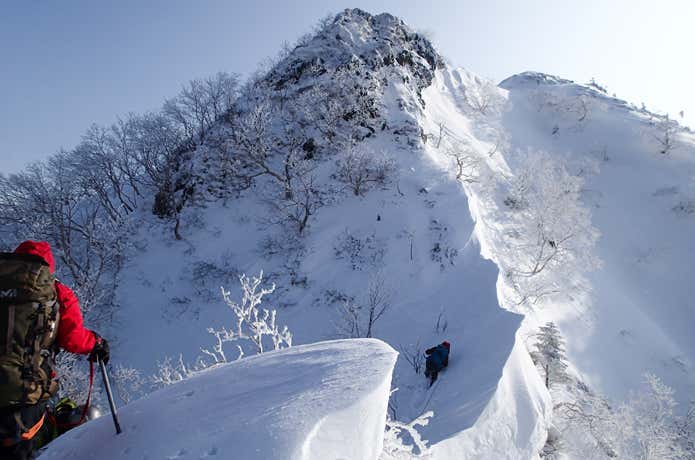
100,350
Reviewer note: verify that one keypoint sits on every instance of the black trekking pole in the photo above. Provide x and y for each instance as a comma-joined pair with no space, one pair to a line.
107,386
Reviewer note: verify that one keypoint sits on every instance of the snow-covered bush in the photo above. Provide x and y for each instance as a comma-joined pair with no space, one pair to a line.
413,447
252,324
128,381
664,134
74,377
360,251
170,372
361,169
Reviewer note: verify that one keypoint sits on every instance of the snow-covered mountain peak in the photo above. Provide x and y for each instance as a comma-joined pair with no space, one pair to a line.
385,195
530,78
356,37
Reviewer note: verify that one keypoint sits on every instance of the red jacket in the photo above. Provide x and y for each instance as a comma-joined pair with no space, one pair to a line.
72,335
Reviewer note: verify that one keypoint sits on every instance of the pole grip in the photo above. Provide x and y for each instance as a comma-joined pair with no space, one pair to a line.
109,394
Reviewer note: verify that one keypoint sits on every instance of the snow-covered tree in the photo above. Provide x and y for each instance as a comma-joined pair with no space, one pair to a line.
252,323
665,134
649,425
549,354
465,161
551,229
201,102
686,431
644,427
483,96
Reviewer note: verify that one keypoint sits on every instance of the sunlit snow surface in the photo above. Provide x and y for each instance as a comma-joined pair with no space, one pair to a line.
321,401
424,233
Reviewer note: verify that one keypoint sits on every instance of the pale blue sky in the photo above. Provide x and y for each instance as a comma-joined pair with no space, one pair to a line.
65,65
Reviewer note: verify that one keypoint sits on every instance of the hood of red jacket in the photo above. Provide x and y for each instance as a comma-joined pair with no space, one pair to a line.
38,248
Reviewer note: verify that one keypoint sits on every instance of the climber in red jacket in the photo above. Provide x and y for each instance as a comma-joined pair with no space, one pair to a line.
71,336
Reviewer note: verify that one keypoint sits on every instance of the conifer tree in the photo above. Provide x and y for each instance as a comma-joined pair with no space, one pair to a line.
550,354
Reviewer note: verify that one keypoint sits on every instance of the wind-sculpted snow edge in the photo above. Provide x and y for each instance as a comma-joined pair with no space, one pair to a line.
315,401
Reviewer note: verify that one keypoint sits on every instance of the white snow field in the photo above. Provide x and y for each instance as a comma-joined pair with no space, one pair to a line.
302,403
638,317
439,247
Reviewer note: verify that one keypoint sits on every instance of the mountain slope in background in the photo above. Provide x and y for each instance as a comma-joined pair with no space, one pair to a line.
434,237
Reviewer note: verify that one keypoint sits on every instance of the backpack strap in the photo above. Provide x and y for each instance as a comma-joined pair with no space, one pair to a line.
10,329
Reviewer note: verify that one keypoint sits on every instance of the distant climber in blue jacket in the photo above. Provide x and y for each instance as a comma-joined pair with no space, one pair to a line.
437,359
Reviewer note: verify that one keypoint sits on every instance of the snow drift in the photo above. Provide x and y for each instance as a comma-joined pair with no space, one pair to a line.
359,160
305,402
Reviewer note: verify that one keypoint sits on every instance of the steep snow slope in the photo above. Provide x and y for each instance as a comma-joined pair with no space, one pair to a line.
300,403
414,235
640,313
430,241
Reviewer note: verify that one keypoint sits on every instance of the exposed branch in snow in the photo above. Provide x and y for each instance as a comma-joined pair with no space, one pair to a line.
396,448
358,319
414,355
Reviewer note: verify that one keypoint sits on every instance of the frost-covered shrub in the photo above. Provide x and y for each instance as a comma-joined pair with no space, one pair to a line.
359,251
441,251
128,381
169,372
252,324
402,441
74,377
664,134
202,274
361,170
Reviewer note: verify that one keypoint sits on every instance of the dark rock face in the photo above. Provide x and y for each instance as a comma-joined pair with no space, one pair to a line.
363,42
337,79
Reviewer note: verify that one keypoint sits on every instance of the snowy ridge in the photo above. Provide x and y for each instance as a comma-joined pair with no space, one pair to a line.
514,422
301,403
635,319
437,237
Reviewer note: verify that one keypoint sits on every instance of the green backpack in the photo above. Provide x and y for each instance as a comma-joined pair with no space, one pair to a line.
29,315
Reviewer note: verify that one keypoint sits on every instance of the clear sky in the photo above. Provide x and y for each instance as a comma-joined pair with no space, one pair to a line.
65,65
